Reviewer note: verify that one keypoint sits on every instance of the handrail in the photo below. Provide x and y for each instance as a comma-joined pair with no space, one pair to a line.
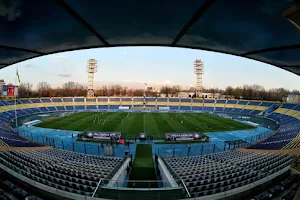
185,188
97,187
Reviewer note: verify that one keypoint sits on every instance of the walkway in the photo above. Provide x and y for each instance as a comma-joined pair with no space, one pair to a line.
3,148
285,151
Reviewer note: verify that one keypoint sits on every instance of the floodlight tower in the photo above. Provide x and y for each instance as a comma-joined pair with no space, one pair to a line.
199,71
91,69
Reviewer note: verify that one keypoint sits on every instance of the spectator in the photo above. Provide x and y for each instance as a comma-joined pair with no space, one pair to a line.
128,170
156,159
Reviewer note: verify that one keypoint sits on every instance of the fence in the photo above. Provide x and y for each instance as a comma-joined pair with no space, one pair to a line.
133,184
76,146
205,148
169,151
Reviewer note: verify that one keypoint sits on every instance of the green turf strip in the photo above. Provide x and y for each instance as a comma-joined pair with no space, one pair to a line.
180,142
143,167
156,124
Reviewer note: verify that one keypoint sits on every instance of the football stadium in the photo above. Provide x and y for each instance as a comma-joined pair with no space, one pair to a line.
149,139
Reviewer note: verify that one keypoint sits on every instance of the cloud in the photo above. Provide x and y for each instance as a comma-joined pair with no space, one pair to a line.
153,82
58,58
167,82
128,81
64,75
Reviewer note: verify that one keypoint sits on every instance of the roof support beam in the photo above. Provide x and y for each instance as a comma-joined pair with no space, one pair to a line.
77,17
207,4
21,49
282,48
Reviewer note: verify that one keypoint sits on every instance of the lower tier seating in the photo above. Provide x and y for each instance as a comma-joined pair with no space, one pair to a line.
65,170
278,188
219,172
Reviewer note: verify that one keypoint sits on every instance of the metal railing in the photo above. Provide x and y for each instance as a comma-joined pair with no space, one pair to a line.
205,148
139,184
97,187
168,151
78,146
187,191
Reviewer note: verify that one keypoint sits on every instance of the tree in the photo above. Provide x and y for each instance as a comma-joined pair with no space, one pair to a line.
166,90
118,89
138,93
111,91
73,89
229,90
43,89
25,90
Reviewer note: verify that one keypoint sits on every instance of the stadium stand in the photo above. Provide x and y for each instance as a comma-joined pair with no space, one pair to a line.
204,175
296,162
185,100
287,115
102,99
174,99
274,191
35,100
56,99
162,99
126,99
291,194
220,104
9,138
13,189
79,99
64,170
287,135
67,99
219,172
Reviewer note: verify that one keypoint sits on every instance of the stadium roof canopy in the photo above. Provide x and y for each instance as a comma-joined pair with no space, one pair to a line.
255,29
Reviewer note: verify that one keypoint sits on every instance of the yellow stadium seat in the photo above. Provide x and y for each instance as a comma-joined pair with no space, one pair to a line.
230,105
240,106
262,108
281,110
209,105
250,107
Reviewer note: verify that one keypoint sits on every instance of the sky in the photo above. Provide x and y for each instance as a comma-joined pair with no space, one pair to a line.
132,66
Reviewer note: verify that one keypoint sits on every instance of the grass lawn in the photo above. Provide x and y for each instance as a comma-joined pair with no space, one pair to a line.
143,167
156,124
180,142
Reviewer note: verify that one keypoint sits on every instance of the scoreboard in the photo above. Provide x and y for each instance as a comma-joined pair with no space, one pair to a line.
9,91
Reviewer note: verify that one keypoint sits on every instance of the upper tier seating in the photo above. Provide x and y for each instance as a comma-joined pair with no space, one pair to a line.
67,99
214,173
64,170
12,139
126,99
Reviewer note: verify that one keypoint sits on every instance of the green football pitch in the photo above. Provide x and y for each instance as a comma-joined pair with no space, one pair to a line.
131,124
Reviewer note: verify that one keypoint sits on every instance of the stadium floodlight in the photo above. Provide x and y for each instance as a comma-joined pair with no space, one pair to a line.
199,71
91,69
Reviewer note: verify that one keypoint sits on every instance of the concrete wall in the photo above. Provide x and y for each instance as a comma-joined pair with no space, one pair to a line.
293,98
167,178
